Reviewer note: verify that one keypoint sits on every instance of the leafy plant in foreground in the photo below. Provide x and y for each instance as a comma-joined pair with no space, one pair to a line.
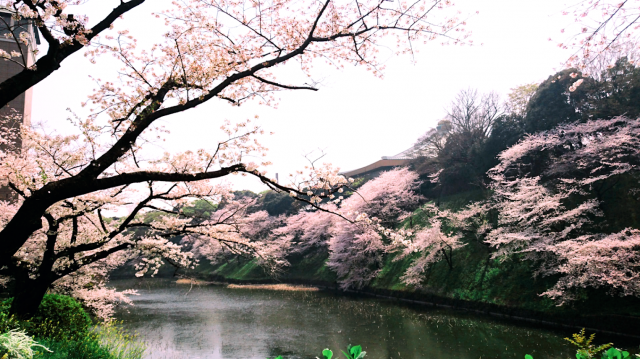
16,344
353,352
587,350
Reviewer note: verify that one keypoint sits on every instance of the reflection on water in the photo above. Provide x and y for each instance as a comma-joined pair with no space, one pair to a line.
217,322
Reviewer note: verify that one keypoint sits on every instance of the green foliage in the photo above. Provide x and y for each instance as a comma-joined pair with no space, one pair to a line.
276,203
614,353
354,352
7,322
87,347
153,216
99,343
16,344
240,269
200,209
586,348
118,343
507,130
358,182
58,316
617,92
104,342
65,328
553,104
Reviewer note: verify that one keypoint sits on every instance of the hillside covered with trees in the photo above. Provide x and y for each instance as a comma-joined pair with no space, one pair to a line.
531,202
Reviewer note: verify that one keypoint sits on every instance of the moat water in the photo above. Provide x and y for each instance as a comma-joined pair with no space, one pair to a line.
180,321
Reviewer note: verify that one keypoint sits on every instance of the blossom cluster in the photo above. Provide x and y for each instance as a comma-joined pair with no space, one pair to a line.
548,192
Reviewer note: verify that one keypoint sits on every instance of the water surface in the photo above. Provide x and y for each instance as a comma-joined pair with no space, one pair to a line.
217,322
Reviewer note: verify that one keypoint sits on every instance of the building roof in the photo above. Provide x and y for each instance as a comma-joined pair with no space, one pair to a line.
400,159
404,155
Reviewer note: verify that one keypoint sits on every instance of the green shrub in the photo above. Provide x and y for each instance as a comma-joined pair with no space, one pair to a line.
102,342
85,347
62,325
59,316
7,322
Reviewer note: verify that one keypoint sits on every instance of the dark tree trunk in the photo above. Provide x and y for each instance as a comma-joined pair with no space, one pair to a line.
448,258
27,220
27,295
484,271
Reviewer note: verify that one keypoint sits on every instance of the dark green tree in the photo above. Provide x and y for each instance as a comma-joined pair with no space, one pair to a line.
617,92
554,104
276,203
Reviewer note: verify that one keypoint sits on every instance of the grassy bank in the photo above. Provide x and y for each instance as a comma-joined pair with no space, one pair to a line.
62,329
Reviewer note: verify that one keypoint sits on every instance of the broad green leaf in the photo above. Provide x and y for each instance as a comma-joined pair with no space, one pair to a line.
527,356
327,354
614,353
355,351
625,354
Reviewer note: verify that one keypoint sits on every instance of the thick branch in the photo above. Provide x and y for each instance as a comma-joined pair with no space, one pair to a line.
91,259
27,78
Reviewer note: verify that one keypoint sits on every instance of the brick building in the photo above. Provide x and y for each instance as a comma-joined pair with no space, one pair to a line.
18,111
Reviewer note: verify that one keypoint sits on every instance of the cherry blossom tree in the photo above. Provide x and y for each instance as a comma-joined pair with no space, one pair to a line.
250,235
308,229
358,245
215,50
550,194
211,50
341,27
445,232
433,244
78,245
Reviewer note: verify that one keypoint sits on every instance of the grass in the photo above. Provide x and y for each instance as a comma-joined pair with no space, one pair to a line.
62,326
106,341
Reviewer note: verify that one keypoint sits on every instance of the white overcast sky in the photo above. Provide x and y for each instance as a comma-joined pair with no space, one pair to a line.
355,117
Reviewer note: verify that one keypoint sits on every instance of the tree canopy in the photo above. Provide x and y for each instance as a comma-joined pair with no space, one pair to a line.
209,51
